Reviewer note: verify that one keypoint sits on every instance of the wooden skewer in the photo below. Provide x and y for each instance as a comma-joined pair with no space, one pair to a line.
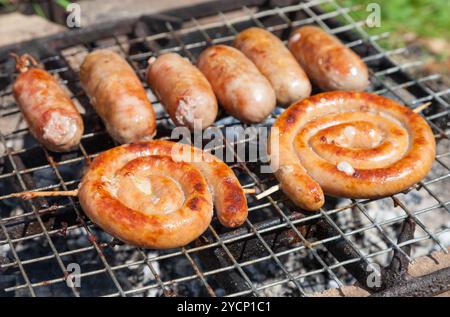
249,191
73,193
422,107
31,195
268,191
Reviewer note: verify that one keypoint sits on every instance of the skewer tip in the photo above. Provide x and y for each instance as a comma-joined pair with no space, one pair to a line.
249,191
422,107
268,191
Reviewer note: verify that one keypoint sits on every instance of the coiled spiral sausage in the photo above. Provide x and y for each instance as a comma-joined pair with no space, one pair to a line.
349,144
160,194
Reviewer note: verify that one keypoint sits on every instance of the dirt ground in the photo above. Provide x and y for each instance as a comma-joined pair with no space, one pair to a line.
16,27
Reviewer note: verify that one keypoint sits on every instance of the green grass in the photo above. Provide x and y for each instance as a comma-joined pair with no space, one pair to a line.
6,4
426,18
38,9
63,3
9,5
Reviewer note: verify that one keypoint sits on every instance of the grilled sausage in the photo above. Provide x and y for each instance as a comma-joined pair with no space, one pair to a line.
183,89
118,96
329,63
160,194
241,89
349,144
275,62
50,113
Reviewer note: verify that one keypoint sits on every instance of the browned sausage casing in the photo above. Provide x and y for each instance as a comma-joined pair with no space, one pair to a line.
275,62
118,96
329,63
50,113
183,89
349,144
160,194
241,89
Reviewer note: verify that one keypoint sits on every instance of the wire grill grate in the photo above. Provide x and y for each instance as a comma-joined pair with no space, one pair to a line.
271,254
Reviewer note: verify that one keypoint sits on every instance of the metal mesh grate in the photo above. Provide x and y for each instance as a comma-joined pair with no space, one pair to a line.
273,253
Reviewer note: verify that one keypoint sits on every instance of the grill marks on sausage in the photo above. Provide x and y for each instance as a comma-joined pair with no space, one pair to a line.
183,90
412,162
239,86
162,230
276,63
328,62
50,113
118,96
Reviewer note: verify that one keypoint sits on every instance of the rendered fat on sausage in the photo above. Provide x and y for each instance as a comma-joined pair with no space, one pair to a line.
183,90
327,61
241,89
118,96
349,144
160,194
50,113
275,62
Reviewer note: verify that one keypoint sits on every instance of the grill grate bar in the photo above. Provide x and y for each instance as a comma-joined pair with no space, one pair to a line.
244,167
374,224
41,223
317,19
92,237
229,254
17,259
191,261
244,264
387,78
278,209
397,202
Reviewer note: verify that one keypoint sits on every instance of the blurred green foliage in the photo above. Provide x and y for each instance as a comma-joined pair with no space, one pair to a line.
426,18
10,5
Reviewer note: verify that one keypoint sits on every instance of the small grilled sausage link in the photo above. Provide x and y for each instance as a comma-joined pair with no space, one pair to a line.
50,113
183,90
241,89
118,96
329,63
275,62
